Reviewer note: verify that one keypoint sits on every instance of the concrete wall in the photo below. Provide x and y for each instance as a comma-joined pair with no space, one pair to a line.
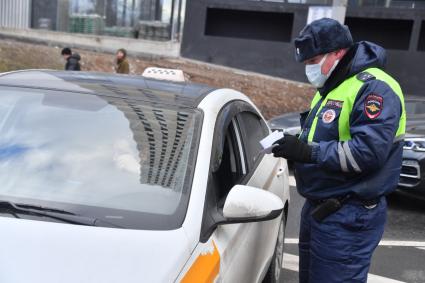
276,57
96,43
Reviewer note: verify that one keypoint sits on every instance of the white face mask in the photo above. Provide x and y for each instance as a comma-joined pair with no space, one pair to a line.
314,72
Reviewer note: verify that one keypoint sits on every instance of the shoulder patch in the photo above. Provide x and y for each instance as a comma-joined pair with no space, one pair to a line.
373,105
365,76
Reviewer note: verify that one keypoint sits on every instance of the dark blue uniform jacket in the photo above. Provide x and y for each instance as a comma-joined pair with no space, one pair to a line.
377,156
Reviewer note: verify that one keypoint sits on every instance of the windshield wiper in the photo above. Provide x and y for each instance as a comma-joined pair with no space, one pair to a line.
57,214
40,208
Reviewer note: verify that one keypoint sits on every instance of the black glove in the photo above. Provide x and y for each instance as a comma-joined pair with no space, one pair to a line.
290,147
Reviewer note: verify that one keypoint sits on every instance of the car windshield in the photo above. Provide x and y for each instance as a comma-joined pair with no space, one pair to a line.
126,162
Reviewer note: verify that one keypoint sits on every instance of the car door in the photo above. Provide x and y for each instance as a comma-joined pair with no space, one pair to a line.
266,172
244,252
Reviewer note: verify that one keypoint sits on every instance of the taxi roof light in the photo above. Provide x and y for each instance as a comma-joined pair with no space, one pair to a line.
164,74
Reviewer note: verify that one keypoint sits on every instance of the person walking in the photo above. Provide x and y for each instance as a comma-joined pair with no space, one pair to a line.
348,156
122,66
72,60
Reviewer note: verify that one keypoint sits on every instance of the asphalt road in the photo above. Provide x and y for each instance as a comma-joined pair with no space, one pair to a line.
400,257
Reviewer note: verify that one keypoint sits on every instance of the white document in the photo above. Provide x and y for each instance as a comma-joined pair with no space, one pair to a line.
268,142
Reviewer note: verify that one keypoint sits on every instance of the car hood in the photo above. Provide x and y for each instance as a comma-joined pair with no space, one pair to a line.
37,251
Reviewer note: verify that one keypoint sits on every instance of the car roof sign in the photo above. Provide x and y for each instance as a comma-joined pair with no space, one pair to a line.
164,74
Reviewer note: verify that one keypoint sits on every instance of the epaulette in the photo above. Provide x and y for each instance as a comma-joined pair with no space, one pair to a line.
365,76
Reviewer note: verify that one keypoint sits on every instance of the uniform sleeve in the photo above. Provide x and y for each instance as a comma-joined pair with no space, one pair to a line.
373,125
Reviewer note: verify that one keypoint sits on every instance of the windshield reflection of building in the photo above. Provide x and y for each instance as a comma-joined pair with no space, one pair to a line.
160,134
165,134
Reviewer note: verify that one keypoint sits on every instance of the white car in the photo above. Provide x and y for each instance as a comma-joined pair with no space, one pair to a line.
112,178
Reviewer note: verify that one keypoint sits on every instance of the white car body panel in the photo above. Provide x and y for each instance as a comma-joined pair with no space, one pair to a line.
38,251
237,261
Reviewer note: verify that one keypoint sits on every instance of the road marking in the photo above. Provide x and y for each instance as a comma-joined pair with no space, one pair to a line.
292,182
372,278
383,243
291,241
290,262
402,243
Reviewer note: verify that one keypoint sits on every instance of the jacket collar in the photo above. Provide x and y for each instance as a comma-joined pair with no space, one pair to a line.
340,74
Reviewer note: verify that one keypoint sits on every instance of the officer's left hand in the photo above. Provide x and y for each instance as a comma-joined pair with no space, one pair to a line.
290,147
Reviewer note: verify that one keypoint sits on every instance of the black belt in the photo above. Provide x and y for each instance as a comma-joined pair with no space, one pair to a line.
325,207
349,199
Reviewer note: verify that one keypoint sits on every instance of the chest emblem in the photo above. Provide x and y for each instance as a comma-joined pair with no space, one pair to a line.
329,116
373,106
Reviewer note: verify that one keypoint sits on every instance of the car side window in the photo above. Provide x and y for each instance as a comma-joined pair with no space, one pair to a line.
253,129
233,166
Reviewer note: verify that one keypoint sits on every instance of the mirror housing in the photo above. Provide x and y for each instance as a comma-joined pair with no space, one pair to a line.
248,204
244,204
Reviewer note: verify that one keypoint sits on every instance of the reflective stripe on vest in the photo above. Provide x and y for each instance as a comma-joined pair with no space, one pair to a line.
347,92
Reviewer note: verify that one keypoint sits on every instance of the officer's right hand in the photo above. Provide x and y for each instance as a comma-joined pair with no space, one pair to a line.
290,147
280,141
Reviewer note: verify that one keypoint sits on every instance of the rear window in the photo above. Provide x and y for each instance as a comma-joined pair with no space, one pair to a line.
126,162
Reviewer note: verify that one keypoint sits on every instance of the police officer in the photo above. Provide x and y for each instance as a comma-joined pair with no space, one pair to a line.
348,155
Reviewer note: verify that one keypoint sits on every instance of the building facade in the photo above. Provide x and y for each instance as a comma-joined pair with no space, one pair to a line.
147,19
15,14
258,35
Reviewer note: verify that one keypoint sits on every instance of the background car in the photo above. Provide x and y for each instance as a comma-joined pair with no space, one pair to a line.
288,122
412,178
108,178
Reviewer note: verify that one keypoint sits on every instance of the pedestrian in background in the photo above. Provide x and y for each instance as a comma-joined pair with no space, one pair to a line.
348,155
72,60
122,66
